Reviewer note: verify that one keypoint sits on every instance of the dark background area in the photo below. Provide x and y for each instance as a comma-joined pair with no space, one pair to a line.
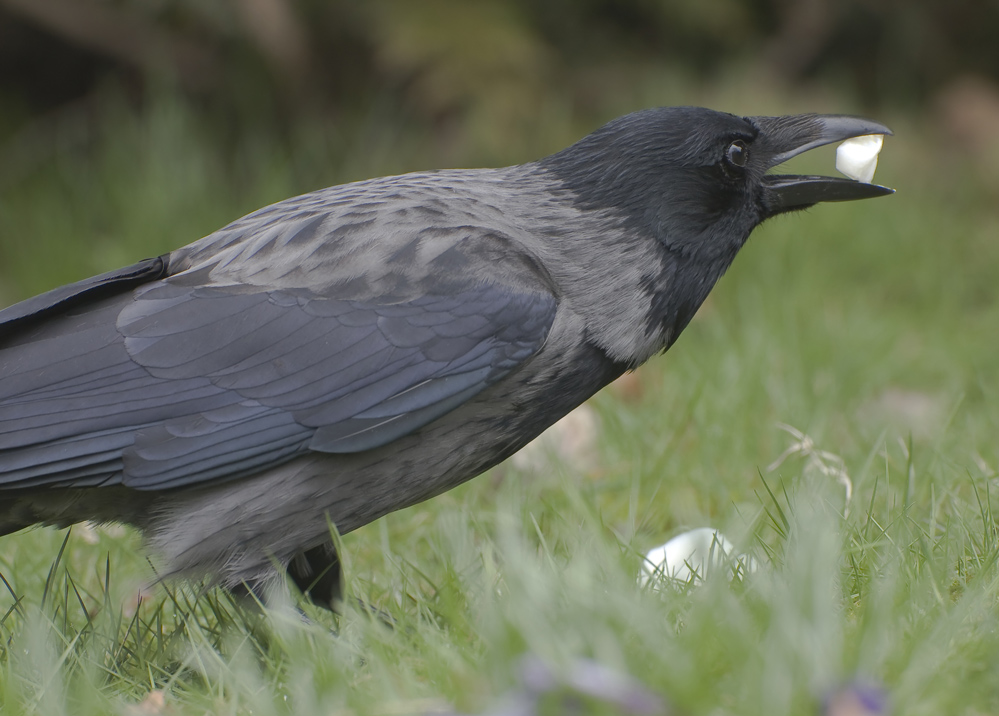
449,64
283,56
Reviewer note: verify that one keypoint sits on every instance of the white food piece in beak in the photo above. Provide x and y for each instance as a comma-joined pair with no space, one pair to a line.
691,555
857,158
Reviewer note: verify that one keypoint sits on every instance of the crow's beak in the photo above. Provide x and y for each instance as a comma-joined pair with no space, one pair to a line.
781,138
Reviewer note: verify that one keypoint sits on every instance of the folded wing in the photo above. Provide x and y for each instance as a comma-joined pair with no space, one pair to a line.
170,385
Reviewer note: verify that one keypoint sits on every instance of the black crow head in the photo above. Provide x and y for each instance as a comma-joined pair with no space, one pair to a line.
698,181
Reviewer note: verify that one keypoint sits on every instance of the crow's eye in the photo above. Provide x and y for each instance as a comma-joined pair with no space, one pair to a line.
737,153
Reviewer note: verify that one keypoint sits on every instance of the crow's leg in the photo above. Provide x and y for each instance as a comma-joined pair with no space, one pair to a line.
248,594
316,572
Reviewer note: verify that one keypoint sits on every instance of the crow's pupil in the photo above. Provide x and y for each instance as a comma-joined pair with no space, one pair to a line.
737,154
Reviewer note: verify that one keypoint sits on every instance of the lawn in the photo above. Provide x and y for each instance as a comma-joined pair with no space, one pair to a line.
868,327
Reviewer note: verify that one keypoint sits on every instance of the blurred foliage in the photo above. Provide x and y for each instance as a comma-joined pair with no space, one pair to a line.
495,58
254,99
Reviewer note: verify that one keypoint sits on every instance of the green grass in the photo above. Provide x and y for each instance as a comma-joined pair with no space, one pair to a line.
869,326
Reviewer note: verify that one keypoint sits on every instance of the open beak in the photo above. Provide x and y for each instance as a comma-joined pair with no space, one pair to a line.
781,138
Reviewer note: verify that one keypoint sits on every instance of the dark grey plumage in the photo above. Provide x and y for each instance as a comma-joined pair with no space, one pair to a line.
352,351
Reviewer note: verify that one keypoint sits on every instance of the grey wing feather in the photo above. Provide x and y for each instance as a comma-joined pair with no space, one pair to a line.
60,299
177,385
72,400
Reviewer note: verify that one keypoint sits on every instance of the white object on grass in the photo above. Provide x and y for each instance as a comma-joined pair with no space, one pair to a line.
857,158
691,555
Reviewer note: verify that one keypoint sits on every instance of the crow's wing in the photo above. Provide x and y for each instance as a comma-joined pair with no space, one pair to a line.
20,315
172,385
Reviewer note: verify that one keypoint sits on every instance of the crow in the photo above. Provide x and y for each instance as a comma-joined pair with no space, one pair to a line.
349,352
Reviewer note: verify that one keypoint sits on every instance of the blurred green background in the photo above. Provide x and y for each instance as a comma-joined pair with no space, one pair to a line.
132,127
